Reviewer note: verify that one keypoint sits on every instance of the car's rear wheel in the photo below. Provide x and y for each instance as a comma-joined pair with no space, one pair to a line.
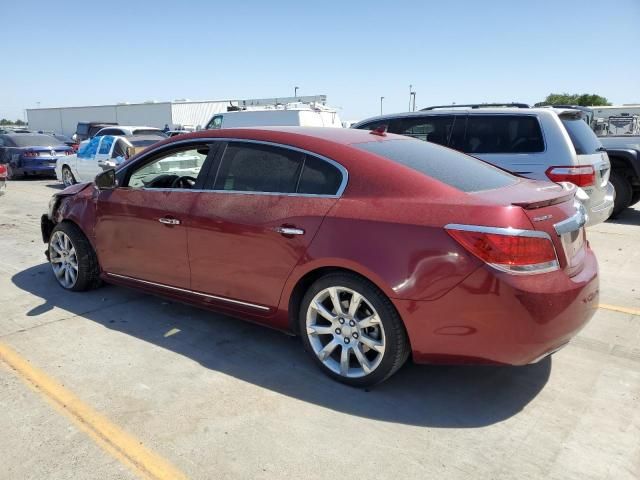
67,177
624,191
352,330
72,258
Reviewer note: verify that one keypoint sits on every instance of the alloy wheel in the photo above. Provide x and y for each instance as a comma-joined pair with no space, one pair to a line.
345,332
67,177
63,258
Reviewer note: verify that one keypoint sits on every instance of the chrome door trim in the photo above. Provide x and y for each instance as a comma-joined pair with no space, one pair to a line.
289,230
192,292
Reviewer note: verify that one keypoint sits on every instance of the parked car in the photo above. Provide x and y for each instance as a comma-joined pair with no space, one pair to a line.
30,154
3,179
538,143
68,141
370,246
295,114
99,154
86,130
624,154
128,130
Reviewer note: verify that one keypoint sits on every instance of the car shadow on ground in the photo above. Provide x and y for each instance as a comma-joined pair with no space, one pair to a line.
629,216
431,396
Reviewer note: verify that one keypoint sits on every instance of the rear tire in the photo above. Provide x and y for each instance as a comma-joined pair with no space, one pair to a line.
362,344
624,192
72,258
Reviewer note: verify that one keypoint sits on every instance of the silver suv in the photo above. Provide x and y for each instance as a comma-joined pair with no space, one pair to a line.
540,143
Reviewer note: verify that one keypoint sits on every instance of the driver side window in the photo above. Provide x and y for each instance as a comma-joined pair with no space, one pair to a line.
177,169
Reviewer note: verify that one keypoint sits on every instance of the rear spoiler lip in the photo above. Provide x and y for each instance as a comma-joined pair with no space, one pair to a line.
570,193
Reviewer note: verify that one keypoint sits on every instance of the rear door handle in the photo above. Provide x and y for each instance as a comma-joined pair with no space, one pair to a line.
169,221
289,231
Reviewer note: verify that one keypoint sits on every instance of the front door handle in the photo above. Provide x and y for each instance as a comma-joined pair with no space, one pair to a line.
169,221
289,231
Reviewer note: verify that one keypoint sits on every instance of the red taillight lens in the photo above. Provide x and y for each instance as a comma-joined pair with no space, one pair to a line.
30,154
507,249
584,176
3,171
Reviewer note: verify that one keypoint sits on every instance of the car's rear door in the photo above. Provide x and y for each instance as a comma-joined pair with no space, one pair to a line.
264,206
141,226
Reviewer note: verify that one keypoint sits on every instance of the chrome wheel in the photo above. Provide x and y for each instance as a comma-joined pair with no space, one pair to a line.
67,177
63,258
345,332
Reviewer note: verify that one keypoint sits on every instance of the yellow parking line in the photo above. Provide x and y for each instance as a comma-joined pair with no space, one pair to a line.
616,308
110,437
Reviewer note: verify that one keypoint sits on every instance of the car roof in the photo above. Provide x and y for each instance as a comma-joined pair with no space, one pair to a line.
141,137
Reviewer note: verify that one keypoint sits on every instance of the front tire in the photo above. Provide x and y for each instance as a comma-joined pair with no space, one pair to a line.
67,177
73,260
352,330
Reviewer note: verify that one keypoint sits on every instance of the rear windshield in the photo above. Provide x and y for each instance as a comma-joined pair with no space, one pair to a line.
82,129
443,164
150,131
143,142
582,137
35,141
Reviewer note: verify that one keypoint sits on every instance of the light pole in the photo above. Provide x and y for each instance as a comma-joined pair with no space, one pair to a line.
410,93
295,91
381,99
413,94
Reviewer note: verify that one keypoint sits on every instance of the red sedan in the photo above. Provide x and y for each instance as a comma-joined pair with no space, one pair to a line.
369,246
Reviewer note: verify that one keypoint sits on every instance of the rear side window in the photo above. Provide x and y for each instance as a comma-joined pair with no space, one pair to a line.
259,168
105,145
319,177
503,134
445,165
434,128
376,124
582,137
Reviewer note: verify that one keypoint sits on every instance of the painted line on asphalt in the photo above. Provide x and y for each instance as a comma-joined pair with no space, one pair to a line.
121,445
616,308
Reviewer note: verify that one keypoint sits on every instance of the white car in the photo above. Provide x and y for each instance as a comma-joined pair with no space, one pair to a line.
98,154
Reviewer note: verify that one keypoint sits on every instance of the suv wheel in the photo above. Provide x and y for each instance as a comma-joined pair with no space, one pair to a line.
624,192
73,259
352,330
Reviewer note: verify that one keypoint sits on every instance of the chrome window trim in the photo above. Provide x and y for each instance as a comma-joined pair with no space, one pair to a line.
340,167
192,292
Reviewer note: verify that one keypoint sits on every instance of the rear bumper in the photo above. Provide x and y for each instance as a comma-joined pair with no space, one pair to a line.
498,318
600,212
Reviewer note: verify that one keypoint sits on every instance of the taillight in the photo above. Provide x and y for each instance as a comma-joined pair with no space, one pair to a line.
3,171
30,154
508,249
583,176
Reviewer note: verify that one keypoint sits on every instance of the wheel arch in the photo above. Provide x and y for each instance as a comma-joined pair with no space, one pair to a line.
628,160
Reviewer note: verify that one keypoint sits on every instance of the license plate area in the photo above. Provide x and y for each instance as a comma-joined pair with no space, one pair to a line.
573,244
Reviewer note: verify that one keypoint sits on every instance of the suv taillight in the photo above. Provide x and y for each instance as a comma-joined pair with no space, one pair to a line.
508,249
583,176
3,171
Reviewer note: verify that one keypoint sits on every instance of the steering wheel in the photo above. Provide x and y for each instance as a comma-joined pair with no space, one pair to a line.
183,182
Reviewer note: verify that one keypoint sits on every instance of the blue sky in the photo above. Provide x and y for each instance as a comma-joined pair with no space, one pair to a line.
86,53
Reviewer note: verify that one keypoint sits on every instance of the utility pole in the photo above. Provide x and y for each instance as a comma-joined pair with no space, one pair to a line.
410,93
413,94
295,91
381,99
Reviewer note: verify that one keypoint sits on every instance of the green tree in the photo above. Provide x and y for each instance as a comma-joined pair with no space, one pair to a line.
19,123
4,121
584,99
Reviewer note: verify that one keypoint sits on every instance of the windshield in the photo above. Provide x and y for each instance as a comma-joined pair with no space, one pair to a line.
448,166
584,140
34,141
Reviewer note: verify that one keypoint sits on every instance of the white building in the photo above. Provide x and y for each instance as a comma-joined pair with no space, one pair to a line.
176,114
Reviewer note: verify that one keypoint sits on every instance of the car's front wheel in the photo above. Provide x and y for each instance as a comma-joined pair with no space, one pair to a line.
67,177
352,330
72,258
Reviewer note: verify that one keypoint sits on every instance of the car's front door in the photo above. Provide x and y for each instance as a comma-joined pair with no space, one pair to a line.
141,226
249,231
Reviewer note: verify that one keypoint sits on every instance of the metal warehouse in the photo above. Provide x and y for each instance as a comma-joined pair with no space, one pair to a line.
176,114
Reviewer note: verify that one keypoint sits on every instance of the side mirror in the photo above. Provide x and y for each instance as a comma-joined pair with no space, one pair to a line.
106,180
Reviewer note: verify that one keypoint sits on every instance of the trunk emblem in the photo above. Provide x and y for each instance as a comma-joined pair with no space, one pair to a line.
53,153
542,218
